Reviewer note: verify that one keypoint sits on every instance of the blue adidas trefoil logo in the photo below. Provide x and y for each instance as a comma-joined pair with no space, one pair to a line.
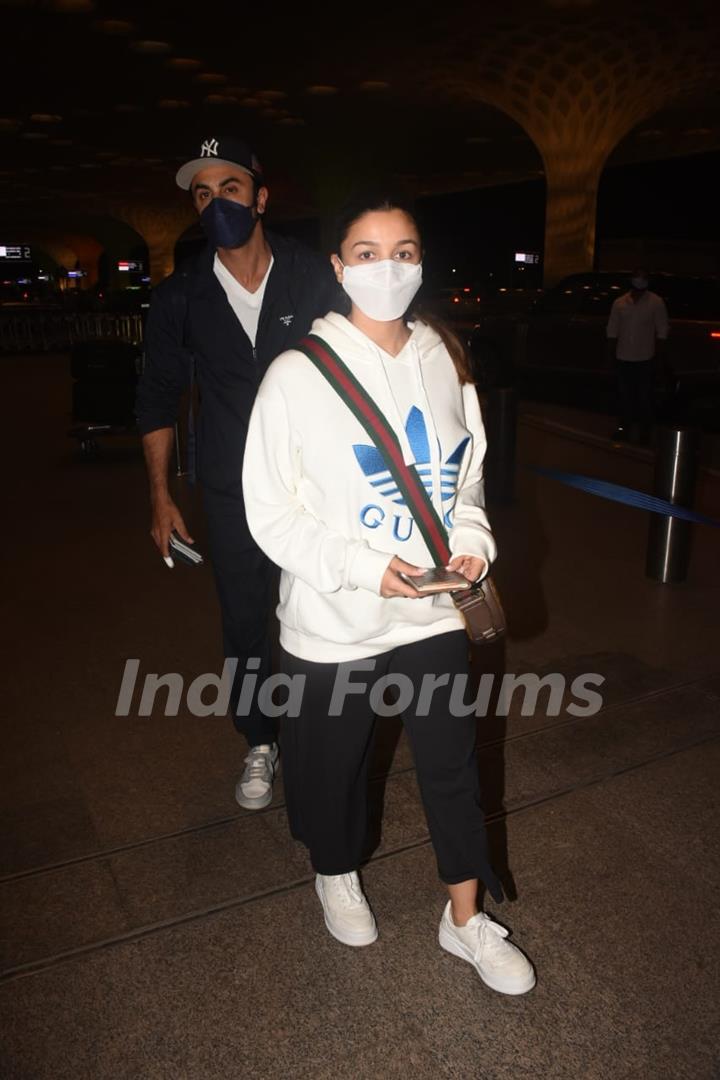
379,476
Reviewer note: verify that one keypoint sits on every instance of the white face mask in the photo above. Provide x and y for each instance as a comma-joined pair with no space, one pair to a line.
639,283
382,290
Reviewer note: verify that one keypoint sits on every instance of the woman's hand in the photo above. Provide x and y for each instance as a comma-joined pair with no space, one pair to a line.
393,585
470,566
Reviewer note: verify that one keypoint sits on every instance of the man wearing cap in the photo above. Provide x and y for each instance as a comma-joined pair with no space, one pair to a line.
223,316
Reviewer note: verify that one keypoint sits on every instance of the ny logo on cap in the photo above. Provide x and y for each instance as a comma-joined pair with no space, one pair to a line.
209,148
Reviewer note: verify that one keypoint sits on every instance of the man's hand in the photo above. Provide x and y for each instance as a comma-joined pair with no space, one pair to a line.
165,518
470,566
393,585
157,447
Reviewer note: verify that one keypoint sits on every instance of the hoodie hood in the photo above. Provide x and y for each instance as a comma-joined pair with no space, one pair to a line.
424,343
386,377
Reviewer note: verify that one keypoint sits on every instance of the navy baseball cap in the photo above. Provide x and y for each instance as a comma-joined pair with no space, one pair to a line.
225,150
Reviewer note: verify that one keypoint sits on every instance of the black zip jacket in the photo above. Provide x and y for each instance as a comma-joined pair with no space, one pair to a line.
191,322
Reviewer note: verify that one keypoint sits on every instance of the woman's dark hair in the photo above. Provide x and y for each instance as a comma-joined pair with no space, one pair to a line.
371,201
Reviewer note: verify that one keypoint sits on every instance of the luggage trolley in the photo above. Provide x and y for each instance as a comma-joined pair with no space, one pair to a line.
105,375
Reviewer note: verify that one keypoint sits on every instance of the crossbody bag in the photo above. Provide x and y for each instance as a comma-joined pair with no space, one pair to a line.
479,605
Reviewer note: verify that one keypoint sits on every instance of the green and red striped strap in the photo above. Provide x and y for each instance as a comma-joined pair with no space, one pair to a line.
329,364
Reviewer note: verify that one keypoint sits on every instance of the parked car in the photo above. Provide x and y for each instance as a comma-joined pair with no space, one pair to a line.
455,302
557,349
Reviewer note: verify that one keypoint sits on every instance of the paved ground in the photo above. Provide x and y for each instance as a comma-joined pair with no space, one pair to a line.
152,929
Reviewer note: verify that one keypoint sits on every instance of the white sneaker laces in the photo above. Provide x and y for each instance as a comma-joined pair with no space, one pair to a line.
258,766
490,938
346,889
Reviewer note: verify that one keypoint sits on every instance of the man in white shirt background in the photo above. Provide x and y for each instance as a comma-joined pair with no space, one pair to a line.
637,327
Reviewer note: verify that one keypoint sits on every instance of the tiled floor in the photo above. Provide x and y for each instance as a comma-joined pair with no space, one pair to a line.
152,929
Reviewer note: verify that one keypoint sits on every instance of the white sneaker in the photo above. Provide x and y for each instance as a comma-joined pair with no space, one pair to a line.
254,788
481,942
347,913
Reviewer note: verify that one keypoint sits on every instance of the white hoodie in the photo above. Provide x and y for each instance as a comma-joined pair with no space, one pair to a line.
321,504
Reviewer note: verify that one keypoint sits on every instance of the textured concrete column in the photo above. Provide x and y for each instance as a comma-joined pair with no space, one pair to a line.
59,250
577,87
570,213
67,249
162,259
160,227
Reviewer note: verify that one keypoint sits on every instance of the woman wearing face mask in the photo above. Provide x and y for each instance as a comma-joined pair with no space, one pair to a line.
322,505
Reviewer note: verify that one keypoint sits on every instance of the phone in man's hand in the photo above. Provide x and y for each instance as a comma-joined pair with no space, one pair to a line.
187,553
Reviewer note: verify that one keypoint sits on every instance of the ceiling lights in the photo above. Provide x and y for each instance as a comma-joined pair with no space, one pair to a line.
183,63
151,48
114,26
70,6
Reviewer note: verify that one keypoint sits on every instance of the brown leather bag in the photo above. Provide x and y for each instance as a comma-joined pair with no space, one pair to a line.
482,611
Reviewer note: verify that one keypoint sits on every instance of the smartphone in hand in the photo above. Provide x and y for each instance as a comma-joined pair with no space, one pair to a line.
187,553
436,580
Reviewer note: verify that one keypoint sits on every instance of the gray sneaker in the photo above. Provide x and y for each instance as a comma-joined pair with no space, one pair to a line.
254,788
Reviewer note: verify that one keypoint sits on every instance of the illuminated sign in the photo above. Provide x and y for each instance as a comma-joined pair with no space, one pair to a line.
77,273
15,252
126,266
527,257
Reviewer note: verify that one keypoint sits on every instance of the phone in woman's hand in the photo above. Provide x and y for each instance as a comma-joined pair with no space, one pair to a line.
436,580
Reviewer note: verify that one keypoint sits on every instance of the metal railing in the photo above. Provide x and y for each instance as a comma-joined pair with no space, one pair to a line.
56,331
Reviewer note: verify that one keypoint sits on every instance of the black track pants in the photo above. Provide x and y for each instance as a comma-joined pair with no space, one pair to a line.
325,762
635,386
244,579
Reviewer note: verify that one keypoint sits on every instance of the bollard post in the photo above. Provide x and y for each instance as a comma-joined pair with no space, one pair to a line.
500,458
669,539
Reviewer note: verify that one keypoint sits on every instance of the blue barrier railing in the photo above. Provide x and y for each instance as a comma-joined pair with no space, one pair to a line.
626,495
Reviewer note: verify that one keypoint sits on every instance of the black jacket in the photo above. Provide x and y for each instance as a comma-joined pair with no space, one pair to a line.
191,321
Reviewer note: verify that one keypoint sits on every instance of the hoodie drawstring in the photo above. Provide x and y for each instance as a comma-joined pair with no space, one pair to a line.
433,440
398,423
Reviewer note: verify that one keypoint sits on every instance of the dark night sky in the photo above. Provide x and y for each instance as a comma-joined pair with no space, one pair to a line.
676,198
478,231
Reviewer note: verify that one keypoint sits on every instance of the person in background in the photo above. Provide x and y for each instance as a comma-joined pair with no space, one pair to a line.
322,506
636,330
226,313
